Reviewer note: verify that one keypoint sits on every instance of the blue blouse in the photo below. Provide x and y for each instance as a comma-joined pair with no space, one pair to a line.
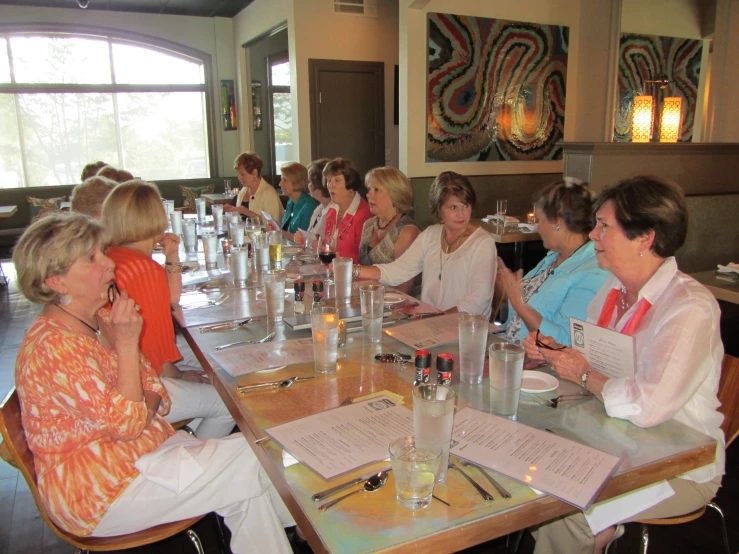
565,293
298,214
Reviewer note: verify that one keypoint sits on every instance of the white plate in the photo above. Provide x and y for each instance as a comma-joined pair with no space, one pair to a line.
290,250
392,298
261,294
538,381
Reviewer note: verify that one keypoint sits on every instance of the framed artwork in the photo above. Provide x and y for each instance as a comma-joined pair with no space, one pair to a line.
496,89
256,104
642,58
228,101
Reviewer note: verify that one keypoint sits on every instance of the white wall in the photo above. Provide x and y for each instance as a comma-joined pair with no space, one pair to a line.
669,18
210,35
318,33
413,77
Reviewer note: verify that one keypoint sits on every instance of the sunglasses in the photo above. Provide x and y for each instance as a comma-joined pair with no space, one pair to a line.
546,346
113,292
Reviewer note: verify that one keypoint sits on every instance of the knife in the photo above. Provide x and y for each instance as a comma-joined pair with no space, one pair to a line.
338,488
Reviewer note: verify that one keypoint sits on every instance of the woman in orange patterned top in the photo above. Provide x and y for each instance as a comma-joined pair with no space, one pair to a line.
107,462
135,219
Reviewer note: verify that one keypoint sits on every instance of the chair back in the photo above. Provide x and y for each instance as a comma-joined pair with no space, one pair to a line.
729,398
499,296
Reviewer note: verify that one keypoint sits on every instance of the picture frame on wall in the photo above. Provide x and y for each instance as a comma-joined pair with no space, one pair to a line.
228,102
256,104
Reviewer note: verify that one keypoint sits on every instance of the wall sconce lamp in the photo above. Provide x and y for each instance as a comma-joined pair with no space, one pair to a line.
644,121
641,119
670,119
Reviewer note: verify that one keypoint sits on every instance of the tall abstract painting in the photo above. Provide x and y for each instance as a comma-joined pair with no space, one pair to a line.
646,57
496,89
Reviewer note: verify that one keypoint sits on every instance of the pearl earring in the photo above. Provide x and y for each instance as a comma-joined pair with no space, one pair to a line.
65,299
556,227
641,253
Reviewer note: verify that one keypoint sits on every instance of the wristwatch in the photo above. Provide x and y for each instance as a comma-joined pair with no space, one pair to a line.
584,378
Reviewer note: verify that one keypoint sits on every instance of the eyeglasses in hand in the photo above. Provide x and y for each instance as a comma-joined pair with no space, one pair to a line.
542,345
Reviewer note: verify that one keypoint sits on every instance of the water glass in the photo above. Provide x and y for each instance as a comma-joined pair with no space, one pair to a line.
414,470
189,235
343,279
168,208
175,219
372,298
232,217
473,337
240,265
227,187
274,291
210,247
502,209
274,238
433,418
325,329
200,209
260,252
217,211
506,373
236,233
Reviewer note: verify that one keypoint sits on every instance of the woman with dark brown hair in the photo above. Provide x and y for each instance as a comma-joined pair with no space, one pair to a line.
256,194
456,258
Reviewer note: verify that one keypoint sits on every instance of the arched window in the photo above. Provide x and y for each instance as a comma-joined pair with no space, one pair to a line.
69,99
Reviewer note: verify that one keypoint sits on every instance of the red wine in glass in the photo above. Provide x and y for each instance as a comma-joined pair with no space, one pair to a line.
327,257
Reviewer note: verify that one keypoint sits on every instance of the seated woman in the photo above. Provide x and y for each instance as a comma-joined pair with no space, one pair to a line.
457,258
319,191
134,217
117,175
640,223
92,408
256,194
91,169
391,231
566,280
88,197
301,205
348,211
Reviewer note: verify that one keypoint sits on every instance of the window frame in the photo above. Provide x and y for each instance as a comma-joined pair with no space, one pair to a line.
274,59
111,35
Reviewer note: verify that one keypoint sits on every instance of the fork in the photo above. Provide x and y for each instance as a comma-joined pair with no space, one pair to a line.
268,338
485,494
233,325
217,302
498,487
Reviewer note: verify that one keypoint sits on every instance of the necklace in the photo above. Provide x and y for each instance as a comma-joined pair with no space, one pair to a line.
622,300
90,327
450,248
383,227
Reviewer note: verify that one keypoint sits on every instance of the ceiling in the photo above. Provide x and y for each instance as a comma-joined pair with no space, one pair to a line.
202,8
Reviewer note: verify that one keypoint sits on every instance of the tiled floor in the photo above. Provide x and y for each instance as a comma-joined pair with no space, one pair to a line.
23,532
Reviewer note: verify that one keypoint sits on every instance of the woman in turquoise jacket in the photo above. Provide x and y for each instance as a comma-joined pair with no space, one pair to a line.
562,285
301,204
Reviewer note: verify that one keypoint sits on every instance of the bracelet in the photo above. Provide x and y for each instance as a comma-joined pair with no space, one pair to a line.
356,270
584,378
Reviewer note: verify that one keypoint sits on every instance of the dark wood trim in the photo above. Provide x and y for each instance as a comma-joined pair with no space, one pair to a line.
315,66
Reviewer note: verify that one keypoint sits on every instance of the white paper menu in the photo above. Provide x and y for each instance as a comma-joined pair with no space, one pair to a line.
570,471
612,353
430,332
249,358
338,441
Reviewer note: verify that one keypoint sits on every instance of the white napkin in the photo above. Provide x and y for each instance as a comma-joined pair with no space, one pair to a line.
730,268
529,228
496,219
171,465
603,515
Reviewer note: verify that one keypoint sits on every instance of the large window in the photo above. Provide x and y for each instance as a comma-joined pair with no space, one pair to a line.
281,124
68,100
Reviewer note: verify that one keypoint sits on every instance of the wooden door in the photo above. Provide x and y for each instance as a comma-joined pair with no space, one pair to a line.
348,111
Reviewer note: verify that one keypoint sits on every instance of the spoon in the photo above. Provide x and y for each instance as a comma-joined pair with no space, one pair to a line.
268,338
370,485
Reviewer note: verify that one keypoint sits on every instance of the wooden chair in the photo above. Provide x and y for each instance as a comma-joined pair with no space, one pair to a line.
727,395
14,437
499,296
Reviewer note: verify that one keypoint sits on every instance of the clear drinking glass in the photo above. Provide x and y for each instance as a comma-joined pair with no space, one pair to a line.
343,277
274,238
414,470
236,232
189,235
502,209
210,247
240,265
325,329
168,209
433,418
227,187
506,373
260,252
217,211
473,336
372,298
274,292
175,219
200,206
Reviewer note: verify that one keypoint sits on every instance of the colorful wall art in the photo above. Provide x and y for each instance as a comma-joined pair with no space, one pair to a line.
496,89
648,57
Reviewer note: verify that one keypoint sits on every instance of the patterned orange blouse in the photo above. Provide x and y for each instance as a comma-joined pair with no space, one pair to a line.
85,436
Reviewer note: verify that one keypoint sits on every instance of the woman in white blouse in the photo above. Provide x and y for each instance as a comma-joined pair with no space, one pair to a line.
640,224
318,190
457,259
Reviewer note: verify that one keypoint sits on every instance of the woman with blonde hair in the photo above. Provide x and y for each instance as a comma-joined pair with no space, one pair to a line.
107,462
301,204
387,235
135,218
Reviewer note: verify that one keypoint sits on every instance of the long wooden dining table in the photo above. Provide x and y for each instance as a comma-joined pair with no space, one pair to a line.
376,522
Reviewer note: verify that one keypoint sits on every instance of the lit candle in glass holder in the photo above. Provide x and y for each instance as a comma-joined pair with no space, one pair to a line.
531,218
226,247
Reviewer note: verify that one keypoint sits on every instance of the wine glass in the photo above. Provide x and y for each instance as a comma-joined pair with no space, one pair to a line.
327,253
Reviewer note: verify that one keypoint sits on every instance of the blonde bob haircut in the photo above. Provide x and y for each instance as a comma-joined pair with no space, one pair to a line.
88,197
133,211
49,247
297,175
396,184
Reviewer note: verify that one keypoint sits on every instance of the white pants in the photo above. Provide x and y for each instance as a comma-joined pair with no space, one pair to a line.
233,484
193,400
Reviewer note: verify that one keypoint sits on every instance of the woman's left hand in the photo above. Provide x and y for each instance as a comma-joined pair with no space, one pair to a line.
170,245
568,363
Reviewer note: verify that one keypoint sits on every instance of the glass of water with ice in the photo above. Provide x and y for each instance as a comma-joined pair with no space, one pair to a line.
433,418
506,373
414,469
